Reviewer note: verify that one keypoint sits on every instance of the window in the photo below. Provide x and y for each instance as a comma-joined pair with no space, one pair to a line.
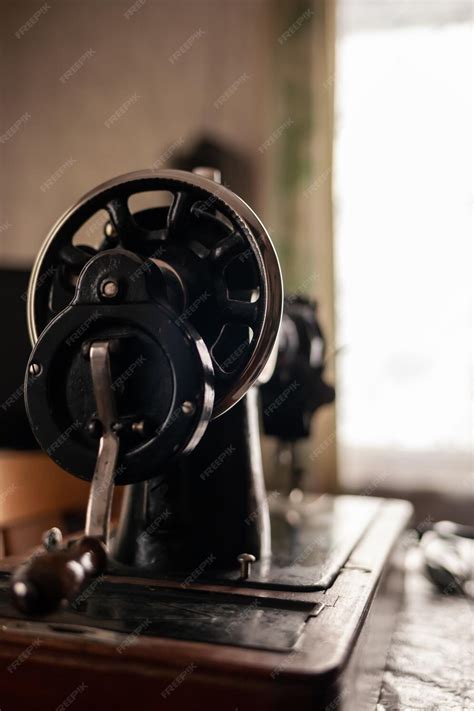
403,198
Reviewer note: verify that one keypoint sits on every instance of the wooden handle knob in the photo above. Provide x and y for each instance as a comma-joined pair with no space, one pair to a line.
49,580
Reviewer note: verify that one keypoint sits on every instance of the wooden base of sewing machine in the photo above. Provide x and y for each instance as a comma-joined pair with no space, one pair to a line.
139,642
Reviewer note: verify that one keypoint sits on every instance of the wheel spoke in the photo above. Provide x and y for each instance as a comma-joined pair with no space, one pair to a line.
227,249
126,226
74,257
179,212
120,215
245,312
219,372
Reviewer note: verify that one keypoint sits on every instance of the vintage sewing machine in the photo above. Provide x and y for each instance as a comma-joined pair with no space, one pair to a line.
150,358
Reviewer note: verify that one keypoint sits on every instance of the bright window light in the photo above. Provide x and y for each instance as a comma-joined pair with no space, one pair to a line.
403,197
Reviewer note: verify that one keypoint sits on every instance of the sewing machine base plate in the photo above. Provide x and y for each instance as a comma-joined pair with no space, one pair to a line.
218,646
311,542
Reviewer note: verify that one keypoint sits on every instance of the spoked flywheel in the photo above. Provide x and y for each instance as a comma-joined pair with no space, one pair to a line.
208,248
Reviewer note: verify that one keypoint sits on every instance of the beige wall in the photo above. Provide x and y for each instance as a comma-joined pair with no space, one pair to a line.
131,56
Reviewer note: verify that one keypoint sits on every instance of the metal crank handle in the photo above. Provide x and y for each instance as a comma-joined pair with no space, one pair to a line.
52,579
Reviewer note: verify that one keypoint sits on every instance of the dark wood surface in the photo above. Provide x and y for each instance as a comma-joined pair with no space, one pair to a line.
336,664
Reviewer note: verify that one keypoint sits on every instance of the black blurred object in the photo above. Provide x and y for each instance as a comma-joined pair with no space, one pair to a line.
232,164
448,550
15,432
296,389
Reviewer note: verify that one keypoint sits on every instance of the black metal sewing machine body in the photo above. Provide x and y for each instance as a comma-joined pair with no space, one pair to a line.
209,504
150,357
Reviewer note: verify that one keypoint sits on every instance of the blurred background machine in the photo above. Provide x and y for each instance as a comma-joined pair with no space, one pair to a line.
298,374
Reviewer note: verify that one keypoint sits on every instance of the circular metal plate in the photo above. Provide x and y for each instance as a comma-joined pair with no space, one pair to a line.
176,406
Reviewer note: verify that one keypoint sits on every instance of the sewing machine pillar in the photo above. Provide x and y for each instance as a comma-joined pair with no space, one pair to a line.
208,506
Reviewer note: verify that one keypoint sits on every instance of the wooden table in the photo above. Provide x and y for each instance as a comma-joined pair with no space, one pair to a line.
430,665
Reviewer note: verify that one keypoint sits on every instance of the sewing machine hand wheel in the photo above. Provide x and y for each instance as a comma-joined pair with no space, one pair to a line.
220,269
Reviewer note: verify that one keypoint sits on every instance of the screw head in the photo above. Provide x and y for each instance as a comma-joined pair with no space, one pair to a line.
245,560
94,427
138,427
187,407
109,230
35,369
109,288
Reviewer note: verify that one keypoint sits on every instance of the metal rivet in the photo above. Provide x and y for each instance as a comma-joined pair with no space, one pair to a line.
187,407
109,230
109,288
94,427
245,560
138,427
20,589
35,369
52,538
